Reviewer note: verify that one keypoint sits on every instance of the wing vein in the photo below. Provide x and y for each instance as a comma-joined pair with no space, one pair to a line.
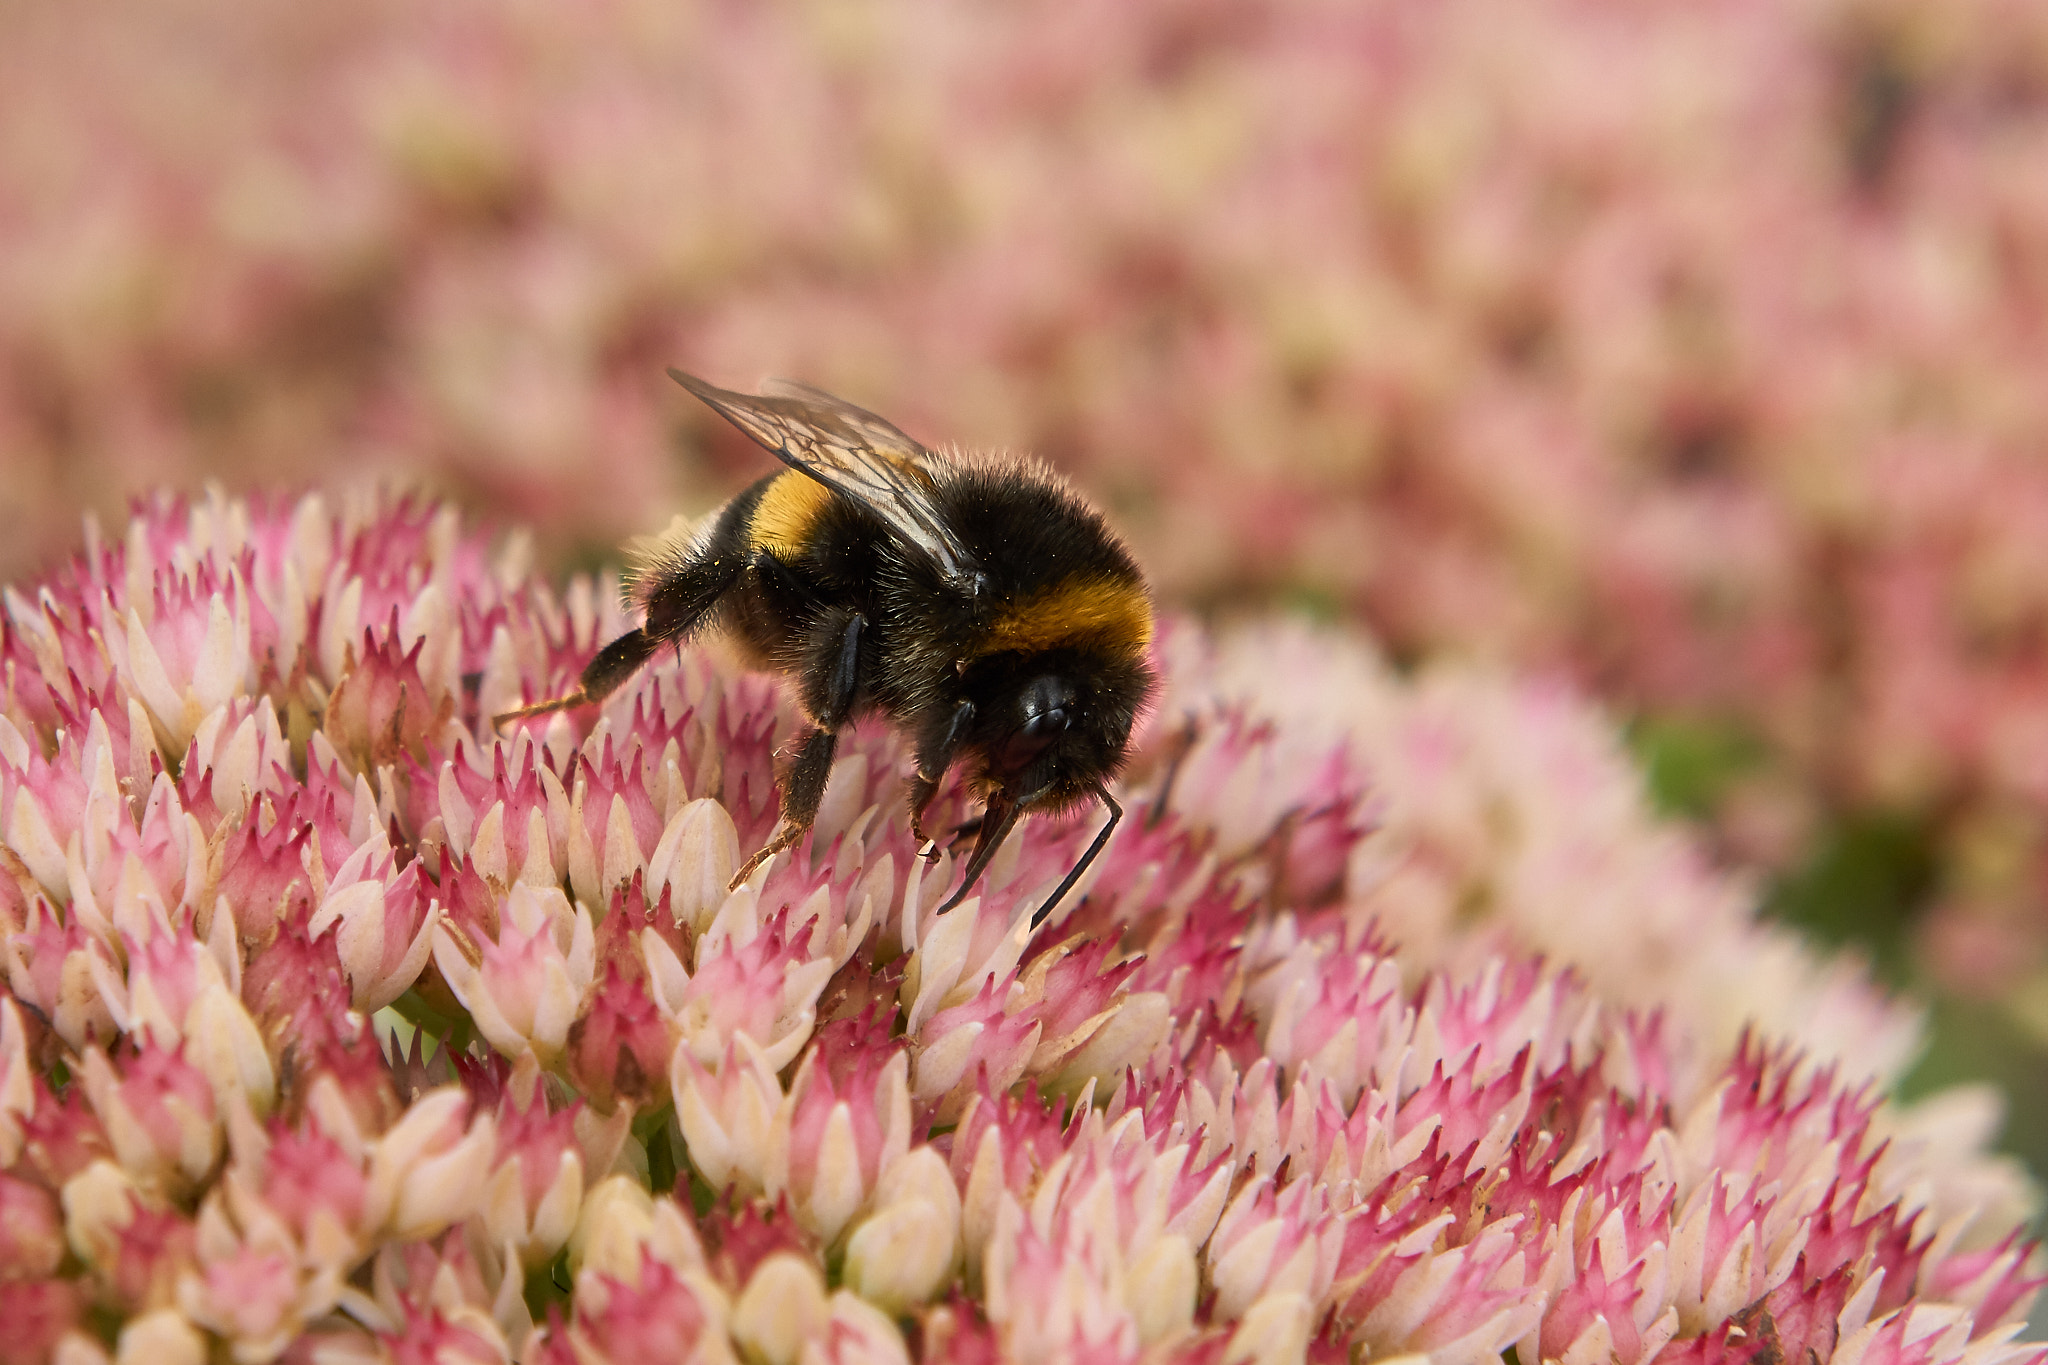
853,452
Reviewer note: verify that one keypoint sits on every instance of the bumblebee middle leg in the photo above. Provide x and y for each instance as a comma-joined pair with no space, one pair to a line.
832,677
803,791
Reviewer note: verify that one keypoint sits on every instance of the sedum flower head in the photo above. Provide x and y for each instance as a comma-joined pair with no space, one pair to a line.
337,1026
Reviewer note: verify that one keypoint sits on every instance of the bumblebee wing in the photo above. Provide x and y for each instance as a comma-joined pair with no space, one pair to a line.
851,450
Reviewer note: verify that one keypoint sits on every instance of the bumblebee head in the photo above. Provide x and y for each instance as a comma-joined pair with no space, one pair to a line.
1048,729
1052,727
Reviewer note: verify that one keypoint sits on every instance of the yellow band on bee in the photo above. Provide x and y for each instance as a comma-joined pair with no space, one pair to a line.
1084,612
788,509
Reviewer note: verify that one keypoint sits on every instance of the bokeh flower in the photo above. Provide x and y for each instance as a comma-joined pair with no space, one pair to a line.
1217,1108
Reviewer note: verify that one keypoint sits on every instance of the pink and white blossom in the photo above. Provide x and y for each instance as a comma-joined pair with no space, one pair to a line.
1221,1108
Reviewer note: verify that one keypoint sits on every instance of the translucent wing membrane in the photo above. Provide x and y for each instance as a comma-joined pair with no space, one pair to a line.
852,451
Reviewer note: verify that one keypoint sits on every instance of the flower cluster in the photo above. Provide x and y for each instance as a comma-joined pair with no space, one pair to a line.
1507,818
337,1026
1694,347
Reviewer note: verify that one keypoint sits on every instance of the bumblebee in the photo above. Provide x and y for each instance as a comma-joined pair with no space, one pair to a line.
974,601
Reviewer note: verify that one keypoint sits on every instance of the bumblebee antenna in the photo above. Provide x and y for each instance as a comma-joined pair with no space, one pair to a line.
1116,813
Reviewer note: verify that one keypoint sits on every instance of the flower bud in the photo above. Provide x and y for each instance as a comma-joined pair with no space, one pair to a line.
621,1225
31,1230
1159,1290
428,1172
1273,1331
253,1296
968,1045
1124,1039
620,1048
158,1112
317,1187
765,989
694,859
1266,1244
956,956
909,1248
536,1185
383,925
98,1203
17,1079
655,1314
782,1307
77,1348
526,988
831,1141
225,1044
160,1338
860,1334
727,1115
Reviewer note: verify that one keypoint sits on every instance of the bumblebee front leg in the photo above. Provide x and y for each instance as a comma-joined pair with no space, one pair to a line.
832,681
936,750
922,790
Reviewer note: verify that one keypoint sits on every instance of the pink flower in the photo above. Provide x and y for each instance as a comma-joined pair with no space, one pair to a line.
845,1121
537,1183
970,1045
1221,1109
432,1338
1105,1253
313,1184
50,967
39,1313
138,1249
253,1297
660,1318
31,1230
382,923
619,1047
429,1302
756,982
526,988
1472,847
159,1113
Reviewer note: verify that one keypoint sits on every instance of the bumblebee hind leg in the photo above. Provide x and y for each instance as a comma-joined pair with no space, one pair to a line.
615,663
676,605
